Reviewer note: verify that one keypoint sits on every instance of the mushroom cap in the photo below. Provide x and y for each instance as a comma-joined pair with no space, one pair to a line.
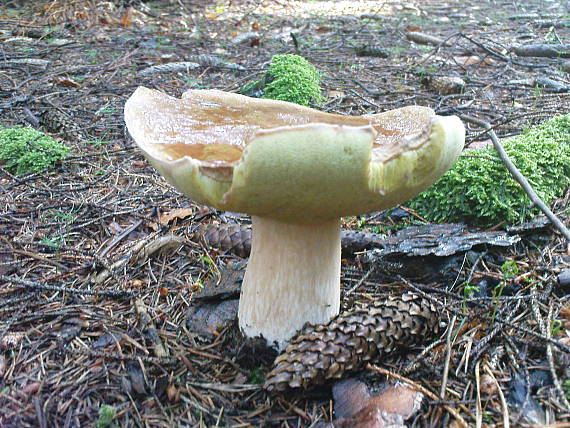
292,163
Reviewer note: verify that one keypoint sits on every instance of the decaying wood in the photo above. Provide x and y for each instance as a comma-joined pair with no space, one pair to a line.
142,250
432,239
543,50
353,338
171,67
440,240
545,82
225,286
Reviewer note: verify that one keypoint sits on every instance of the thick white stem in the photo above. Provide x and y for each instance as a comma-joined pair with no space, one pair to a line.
292,277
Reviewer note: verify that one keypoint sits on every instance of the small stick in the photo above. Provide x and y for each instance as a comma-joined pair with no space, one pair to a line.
478,406
521,179
506,423
120,237
32,285
550,358
448,346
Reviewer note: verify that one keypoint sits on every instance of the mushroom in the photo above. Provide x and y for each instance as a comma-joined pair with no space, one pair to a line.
296,171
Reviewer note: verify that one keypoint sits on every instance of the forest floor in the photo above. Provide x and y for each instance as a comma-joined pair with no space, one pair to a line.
102,262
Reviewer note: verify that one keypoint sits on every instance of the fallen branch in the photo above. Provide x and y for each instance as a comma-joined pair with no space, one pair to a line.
32,285
543,50
426,39
521,179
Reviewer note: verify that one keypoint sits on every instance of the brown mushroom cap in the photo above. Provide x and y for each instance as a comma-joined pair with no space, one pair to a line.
292,163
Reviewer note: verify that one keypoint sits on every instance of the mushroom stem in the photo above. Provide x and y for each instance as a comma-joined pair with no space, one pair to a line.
292,277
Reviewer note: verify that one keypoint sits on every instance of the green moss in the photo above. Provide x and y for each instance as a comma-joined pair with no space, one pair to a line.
293,79
106,415
479,190
24,150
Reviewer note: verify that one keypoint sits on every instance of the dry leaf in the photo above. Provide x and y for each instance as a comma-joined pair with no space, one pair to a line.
173,394
473,60
323,30
336,94
126,18
31,388
152,225
137,283
565,313
68,82
175,214
355,408
488,385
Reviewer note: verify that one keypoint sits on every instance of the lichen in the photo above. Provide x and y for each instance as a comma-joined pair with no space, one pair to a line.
24,150
293,79
479,190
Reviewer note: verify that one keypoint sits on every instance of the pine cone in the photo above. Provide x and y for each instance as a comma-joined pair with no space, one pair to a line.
350,340
237,239
229,237
55,121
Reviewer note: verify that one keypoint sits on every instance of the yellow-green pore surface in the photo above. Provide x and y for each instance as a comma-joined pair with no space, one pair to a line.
276,159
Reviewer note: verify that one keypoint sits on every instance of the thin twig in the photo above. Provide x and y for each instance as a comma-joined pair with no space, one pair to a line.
550,358
37,286
478,406
506,423
448,346
521,179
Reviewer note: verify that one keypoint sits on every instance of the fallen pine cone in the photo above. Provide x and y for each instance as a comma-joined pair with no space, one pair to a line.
229,237
236,239
351,339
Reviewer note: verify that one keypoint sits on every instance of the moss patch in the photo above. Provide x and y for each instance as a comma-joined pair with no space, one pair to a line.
479,190
24,150
293,79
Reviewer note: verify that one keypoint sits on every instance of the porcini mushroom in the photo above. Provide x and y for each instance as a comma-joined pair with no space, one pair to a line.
297,171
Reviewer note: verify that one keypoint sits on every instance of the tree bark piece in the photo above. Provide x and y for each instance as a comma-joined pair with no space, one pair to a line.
543,50
437,239
346,343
